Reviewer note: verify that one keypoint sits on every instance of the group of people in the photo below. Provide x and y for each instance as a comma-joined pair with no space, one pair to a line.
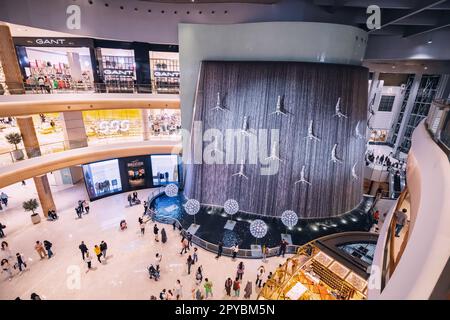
384,160
99,250
82,208
133,199
7,264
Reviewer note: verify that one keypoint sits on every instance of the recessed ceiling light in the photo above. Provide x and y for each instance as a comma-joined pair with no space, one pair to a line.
425,68
430,41
393,67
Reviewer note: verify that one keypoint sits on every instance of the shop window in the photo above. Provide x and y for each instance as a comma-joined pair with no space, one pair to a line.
386,103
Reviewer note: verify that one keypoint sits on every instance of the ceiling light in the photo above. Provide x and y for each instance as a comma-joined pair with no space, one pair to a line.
430,41
425,68
393,67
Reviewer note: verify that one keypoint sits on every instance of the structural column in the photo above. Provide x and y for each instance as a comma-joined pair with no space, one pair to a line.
44,193
8,58
145,124
28,132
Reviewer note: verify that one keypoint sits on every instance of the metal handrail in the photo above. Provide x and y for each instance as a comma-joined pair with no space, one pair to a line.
242,253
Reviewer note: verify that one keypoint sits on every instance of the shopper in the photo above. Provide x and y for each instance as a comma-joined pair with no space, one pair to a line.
189,262
34,296
4,199
401,219
40,249
208,288
145,207
163,235
103,248
178,290
199,275
228,285
184,245
86,206
236,287
162,295
78,212
2,233
80,206
248,290
259,276
156,232
235,250
6,268
20,261
219,249
283,246
48,246
158,259
142,225
6,252
189,239
98,253
130,200
169,295
83,248
240,270
195,255
174,225
88,261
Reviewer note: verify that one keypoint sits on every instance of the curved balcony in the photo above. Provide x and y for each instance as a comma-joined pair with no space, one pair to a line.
414,271
51,162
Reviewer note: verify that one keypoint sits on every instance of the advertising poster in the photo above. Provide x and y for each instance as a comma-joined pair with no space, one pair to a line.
136,173
102,178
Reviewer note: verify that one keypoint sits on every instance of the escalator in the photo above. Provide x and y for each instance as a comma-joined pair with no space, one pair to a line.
397,183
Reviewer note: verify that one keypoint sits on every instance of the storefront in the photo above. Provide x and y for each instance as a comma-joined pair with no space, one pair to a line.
165,70
50,64
117,68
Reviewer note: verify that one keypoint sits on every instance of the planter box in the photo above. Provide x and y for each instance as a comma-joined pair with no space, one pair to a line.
35,218
18,155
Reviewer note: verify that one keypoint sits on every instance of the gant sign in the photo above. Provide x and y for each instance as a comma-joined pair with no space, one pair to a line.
114,72
57,42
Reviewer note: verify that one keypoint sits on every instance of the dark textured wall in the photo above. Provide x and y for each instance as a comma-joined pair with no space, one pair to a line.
310,93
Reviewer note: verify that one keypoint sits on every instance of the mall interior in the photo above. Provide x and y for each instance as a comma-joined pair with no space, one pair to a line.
230,150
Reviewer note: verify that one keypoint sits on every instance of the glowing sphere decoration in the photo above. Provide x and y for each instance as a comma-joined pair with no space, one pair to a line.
231,207
258,228
171,190
192,207
289,218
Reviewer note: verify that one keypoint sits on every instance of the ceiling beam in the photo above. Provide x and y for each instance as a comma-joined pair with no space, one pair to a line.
416,31
424,5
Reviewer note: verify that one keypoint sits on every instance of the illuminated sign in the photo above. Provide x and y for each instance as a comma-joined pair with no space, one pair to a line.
168,74
114,126
114,72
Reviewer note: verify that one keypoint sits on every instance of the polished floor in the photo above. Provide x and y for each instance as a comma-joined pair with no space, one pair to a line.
124,275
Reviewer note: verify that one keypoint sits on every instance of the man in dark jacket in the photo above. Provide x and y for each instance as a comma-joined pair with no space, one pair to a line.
103,247
48,247
283,246
219,249
83,249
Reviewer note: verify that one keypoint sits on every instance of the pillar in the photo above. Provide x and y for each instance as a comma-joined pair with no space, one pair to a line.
28,132
74,64
8,58
44,193
74,130
145,124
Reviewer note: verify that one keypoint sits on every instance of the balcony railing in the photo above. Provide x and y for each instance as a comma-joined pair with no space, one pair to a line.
155,87
438,124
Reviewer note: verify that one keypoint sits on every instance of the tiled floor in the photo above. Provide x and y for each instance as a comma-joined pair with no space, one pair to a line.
124,275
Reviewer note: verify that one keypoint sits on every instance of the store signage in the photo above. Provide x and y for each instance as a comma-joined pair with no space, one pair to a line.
107,127
114,72
53,42
168,74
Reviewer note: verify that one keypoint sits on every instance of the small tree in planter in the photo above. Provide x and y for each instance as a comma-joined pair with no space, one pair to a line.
32,205
15,138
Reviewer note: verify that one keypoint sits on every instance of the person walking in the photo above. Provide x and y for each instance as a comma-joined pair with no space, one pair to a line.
236,287
4,198
184,245
2,233
86,206
156,232
208,288
80,206
6,267
199,275
142,225
235,250
240,270
129,200
6,252
98,253
145,208
283,245
178,290
78,212
35,296
189,262
48,246
83,249
228,285
158,259
174,225
259,276
87,258
189,239
40,249
400,222
103,248
219,249
20,261
163,235
248,290
195,255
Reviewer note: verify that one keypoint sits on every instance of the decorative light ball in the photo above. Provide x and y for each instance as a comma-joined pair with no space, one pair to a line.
289,218
231,206
258,228
192,207
171,190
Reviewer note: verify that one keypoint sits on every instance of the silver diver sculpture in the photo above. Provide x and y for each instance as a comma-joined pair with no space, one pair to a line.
279,108
219,105
240,173
354,174
311,135
244,128
334,157
357,133
338,113
274,152
302,177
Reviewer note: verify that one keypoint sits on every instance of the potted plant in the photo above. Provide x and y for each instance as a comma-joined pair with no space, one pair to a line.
15,138
32,205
